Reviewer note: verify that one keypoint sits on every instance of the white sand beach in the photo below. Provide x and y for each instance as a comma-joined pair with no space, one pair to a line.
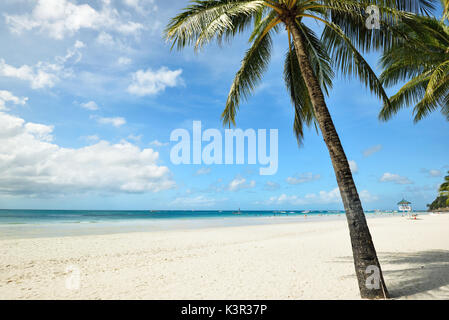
281,261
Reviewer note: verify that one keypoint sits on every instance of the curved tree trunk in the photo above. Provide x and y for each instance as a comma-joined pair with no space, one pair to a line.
367,267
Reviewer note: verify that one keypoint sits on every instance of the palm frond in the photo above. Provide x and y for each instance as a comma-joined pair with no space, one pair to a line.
349,60
250,73
410,93
422,60
299,95
206,20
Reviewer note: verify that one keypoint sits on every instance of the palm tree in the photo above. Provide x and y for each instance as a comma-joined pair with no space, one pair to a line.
445,4
422,59
308,75
444,188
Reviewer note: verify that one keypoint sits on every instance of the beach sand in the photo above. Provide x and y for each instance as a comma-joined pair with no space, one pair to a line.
281,261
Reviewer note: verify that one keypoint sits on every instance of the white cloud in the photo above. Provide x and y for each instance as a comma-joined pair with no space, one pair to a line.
432,172
322,197
91,138
303,178
240,183
435,173
365,196
40,76
354,167
395,178
152,82
6,96
123,61
31,165
39,131
115,121
133,3
135,138
105,38
203,171
141,6
372,150
91,105
59,18
44,74
157,143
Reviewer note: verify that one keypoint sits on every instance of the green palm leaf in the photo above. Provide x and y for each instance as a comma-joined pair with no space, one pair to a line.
421,59
249,75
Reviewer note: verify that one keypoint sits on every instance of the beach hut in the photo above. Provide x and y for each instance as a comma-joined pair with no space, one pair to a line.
405,206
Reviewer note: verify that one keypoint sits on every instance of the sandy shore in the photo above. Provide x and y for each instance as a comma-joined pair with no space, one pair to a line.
283,261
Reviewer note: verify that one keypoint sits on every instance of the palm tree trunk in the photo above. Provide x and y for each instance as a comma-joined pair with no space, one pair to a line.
362,245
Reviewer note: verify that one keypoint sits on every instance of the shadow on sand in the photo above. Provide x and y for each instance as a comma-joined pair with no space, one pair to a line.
416,273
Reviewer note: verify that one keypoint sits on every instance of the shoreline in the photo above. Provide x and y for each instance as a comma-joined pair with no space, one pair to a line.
277,261
104,227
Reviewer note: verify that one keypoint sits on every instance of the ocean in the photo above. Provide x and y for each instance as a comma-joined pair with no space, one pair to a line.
48,223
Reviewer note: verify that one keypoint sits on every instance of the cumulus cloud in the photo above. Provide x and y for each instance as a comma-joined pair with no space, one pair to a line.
372,150
303,178
432,172
39,76
58,18
241,183
105,39
141,6
132,3
157,143
395,178
123,61
44,74
39,131
8,97
115,121
91,105
366,196
322,197
135,138
30,164
152,82
354,167
91,138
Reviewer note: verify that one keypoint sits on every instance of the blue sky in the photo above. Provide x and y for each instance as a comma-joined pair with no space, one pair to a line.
90,92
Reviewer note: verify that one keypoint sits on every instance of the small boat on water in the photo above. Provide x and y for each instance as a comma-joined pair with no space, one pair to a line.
237,212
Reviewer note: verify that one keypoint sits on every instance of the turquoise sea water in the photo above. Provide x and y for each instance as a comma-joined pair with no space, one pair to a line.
43,223
77,216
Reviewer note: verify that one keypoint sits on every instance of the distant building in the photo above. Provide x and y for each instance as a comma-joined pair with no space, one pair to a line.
405,206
